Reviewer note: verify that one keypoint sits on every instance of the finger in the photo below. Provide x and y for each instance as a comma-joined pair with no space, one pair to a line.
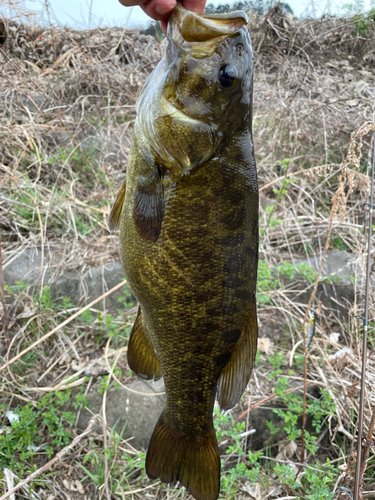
195,5
158,9
131,3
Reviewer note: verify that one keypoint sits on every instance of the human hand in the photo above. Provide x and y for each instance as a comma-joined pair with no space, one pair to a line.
160,9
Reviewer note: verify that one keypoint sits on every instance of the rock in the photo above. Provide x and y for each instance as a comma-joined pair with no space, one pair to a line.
126,409
81,288
336,291
85,288
258,419
339,265
34,103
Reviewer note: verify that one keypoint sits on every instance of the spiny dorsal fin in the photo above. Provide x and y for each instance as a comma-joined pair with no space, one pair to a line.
141,355
236,374
114,216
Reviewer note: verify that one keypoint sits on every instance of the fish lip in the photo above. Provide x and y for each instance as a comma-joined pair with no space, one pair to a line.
180,16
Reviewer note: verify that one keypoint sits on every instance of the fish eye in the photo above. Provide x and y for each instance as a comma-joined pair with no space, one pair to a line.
227,75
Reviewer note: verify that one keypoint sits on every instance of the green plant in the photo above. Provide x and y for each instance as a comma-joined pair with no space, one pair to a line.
18,287
317,409
35,432
270,278
272,221
315,484
44,298
127,297
125,467
364,19
247,466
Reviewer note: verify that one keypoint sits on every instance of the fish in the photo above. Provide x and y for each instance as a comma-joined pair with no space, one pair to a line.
187,216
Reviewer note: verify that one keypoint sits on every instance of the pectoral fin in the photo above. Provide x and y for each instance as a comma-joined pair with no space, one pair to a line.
148,209
114,216
141,355
236,374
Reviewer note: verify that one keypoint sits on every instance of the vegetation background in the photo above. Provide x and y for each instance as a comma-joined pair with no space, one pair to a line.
66,114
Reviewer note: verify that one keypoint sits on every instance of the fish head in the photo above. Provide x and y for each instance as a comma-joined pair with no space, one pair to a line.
200,94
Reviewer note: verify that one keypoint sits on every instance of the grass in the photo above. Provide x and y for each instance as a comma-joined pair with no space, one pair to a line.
60,169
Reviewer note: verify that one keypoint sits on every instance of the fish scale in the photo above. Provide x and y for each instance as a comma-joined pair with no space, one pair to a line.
188,218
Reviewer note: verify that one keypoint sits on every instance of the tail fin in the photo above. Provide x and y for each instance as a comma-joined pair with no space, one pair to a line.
193,461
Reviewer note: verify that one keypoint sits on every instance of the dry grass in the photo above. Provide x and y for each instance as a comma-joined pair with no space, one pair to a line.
66,116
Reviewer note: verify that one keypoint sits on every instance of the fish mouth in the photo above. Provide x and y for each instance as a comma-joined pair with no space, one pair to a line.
188,28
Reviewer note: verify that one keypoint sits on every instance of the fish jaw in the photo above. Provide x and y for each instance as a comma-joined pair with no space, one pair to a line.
172,134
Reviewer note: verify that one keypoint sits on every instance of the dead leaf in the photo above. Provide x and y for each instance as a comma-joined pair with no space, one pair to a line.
286,450
65,359
91,367
96,367
28,311
253,489
352,102
334,338
79,487
69,485
265,345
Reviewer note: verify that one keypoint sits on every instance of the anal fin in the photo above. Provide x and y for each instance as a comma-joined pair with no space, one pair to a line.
142,358
236,374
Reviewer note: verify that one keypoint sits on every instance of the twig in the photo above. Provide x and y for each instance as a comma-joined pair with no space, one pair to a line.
55,459
5,310
361,466
61,325
367,445
338,199
333,213
268,398
105,426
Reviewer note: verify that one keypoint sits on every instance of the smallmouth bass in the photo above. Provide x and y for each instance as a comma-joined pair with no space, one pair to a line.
188,219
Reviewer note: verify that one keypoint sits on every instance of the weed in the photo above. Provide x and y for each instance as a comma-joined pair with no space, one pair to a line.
272,221
44,298
271,278
36,432
126,467
315,483
18,287
127,298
